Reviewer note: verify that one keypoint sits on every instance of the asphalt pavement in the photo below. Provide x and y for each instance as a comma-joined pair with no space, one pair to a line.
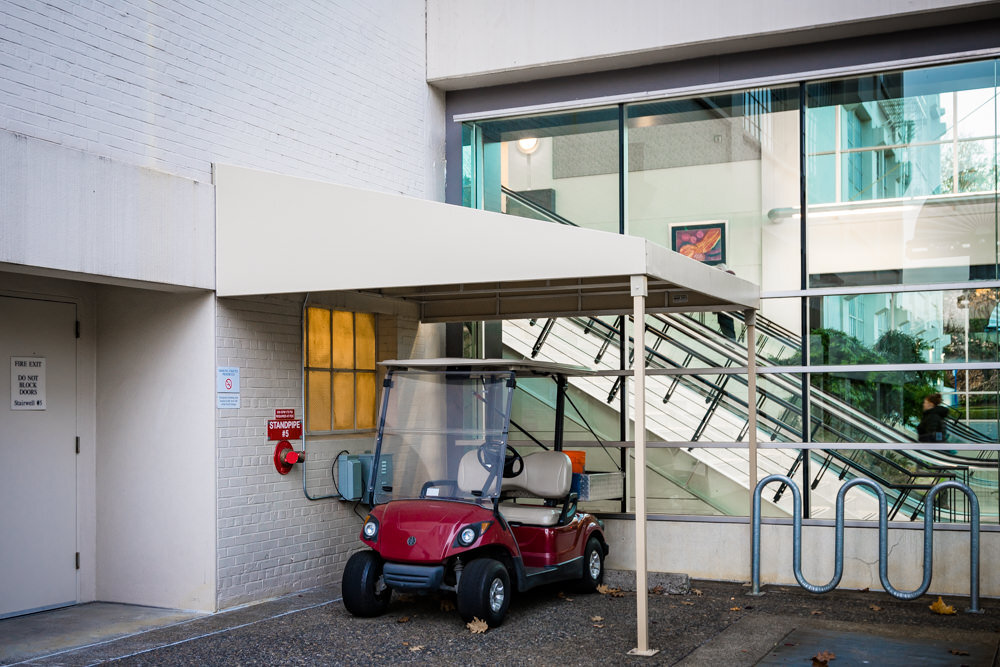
715,623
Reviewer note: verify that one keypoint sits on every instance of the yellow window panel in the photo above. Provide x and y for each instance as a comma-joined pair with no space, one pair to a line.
366,400
342,339
343,401
318,406
365,340
318,337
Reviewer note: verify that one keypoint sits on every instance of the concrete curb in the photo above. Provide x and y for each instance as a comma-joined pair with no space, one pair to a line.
670,583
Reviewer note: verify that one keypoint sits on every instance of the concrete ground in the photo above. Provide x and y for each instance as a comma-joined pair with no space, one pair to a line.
716,623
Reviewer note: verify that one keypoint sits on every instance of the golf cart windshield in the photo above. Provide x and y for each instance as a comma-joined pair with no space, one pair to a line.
443,435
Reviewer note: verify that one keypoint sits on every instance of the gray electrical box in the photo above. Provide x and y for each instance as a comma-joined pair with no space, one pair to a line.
354,471
350,477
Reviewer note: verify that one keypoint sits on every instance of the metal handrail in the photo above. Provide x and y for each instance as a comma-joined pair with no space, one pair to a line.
715,392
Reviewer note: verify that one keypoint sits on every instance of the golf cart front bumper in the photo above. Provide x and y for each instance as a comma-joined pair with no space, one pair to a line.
402,576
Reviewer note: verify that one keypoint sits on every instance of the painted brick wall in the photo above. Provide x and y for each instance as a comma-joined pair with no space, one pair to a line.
327,89
272,539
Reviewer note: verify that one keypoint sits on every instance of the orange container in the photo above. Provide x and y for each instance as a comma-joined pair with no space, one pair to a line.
577,458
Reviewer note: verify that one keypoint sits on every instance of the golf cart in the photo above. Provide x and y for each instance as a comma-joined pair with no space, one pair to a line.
455,507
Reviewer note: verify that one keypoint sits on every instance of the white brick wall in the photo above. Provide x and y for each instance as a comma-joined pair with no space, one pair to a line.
272,539
327,89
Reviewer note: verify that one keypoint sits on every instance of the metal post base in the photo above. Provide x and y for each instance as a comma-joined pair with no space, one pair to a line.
647,653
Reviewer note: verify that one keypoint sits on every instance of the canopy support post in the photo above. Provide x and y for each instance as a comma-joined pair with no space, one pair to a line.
750,317
640,290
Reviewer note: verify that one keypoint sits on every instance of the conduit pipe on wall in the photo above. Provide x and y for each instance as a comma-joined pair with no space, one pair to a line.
302,384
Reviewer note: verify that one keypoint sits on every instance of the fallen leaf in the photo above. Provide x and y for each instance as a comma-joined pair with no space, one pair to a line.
822,658
598,625
477,625
875,607
596,619
404,597
564,597
416,648
939,607
656,590
447,605
734,608
816,612
687,603
865,589
958,651
604,589
696,591
403,619
406,643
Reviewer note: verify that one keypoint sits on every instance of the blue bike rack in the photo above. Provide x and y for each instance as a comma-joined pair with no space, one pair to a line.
883,539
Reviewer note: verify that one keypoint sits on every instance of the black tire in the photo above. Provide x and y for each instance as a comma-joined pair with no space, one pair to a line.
364,592
593,566
484,592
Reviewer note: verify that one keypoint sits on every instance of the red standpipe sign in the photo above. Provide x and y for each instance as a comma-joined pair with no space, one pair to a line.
284,429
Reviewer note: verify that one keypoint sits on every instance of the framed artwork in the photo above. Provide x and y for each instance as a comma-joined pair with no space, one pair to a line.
704,241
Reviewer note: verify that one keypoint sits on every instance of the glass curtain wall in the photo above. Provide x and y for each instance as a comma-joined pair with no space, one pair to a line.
897,297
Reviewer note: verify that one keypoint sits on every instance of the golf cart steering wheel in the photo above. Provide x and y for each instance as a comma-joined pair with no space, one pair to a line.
513,464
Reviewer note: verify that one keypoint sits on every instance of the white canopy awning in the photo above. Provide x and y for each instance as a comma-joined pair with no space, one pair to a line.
278,234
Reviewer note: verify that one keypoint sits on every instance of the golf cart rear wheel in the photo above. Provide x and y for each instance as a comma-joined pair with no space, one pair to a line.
593,566
484,591
365,594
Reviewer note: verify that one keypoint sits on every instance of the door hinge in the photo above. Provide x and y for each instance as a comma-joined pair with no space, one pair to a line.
77,330
77,444
78,560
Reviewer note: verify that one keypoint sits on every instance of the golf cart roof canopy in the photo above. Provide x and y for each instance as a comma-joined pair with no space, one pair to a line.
518,366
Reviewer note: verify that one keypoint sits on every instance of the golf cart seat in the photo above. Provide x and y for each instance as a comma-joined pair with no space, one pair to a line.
546,475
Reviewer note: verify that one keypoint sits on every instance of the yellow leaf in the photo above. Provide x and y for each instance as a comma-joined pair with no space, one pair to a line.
477,626
822,658
596,619
875,607
939,607
734,608
696,591
607,590
687,603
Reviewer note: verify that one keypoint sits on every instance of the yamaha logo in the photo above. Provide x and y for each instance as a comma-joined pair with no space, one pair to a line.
411,540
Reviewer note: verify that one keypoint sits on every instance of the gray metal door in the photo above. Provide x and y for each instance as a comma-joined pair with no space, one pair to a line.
38,447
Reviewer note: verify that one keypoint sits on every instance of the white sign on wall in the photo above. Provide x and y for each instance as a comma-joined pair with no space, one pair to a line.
27,383
227,387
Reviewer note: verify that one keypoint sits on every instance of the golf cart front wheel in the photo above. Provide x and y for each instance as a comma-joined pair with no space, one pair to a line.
593,566
484,592
365,593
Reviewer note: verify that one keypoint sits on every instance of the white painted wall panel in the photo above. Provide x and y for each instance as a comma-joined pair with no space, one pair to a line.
478,42
156,521
73,211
